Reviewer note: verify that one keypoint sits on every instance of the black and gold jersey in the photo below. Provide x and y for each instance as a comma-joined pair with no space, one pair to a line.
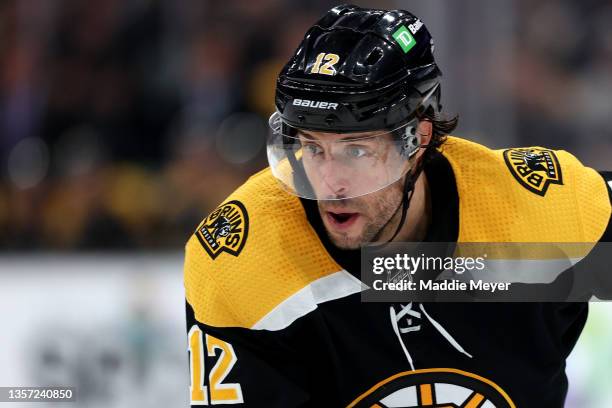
275,318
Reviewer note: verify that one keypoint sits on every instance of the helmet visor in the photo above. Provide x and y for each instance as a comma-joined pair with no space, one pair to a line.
334,166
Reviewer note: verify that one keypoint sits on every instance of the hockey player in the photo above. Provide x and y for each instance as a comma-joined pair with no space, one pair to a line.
359,152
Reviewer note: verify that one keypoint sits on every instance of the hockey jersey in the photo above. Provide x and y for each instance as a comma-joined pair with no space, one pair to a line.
275,318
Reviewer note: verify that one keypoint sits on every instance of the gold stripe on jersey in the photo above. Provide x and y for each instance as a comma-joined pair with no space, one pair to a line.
282,254
425,394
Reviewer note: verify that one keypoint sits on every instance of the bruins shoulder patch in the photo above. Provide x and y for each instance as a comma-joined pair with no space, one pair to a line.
225,229
534,168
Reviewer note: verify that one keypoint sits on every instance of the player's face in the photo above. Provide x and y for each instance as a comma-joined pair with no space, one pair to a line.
336,168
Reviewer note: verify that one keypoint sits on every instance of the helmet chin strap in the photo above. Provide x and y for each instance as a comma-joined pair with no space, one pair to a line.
407,193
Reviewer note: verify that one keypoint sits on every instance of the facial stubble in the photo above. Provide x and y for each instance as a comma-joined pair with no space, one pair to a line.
377,208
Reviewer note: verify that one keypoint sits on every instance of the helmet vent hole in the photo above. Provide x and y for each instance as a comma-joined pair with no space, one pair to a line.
330,120
373,57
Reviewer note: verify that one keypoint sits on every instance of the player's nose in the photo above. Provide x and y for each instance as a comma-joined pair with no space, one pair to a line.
335,179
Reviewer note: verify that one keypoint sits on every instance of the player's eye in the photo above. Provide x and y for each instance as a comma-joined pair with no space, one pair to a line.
355,151
313,149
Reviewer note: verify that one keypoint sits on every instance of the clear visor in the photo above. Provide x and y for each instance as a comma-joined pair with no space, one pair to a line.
334,166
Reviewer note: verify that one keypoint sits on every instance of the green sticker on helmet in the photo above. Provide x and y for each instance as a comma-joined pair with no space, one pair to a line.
404,38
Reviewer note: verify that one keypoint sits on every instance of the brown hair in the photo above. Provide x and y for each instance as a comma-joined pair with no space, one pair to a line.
442,125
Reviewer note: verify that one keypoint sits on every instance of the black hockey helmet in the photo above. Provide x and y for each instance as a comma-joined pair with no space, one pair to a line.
357,70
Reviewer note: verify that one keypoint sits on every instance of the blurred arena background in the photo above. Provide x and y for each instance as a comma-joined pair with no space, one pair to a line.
122,123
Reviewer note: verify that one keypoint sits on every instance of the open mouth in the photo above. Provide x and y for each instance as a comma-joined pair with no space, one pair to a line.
341,219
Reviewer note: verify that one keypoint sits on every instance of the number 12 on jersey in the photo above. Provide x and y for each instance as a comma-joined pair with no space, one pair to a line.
220,393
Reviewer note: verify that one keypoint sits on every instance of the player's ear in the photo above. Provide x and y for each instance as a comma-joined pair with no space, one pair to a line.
424,134
425,130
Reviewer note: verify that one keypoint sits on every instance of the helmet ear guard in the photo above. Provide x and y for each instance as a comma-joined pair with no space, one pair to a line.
412,140
411,137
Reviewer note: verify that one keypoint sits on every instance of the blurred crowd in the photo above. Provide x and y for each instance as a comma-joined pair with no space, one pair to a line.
124,122
562,80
